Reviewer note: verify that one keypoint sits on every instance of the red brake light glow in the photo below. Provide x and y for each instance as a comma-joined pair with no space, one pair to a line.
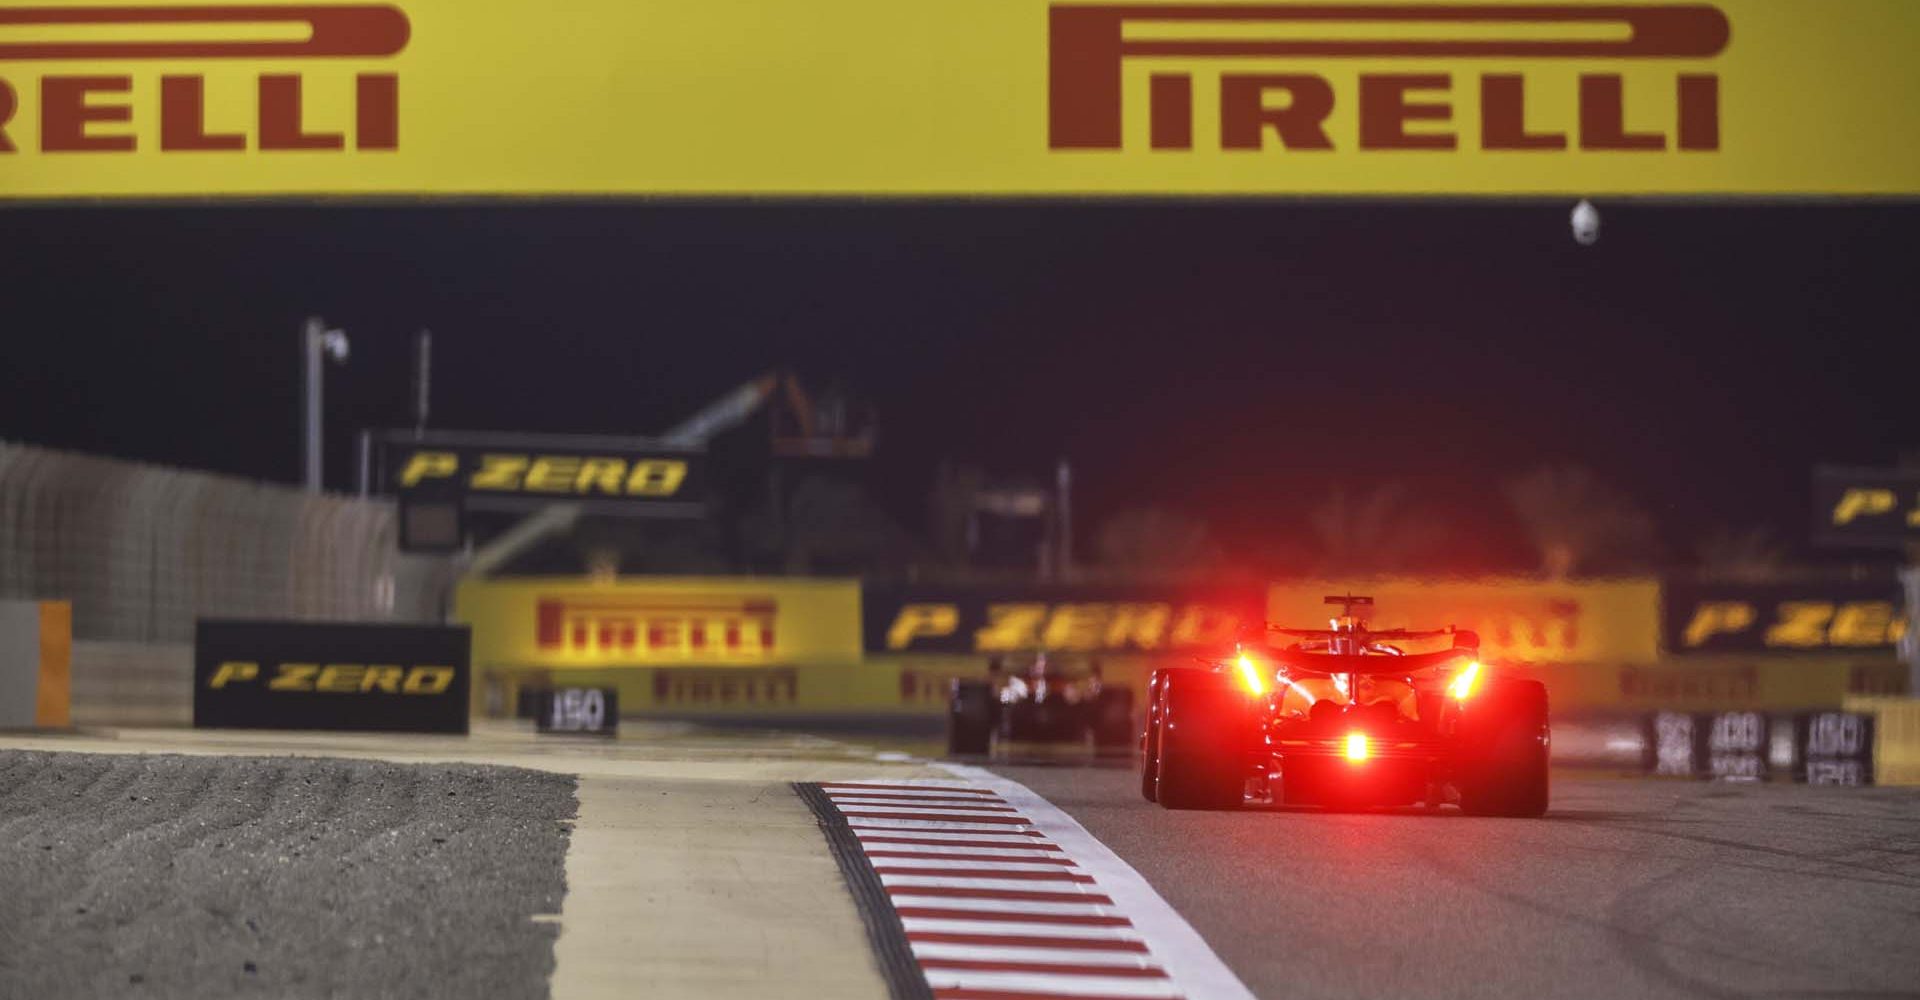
1462,685
1250,675
1357,748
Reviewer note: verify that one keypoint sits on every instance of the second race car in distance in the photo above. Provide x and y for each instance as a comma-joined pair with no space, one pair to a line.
1052,699
1348,717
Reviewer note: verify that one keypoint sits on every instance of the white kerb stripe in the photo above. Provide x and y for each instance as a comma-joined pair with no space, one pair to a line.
980,864
926,809
898,823
907,899
919,788
1056,956
1038,982
1018,885
1011,852
942,836
954,925
977,805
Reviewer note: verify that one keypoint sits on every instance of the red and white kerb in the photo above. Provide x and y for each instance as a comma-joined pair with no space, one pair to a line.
994,905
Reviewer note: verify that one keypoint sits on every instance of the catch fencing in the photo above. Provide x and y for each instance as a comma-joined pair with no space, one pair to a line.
142,551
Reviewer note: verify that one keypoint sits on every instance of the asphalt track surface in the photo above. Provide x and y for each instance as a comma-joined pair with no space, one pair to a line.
167,876
1629,888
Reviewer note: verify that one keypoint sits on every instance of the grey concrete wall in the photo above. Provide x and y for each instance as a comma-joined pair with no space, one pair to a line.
19,662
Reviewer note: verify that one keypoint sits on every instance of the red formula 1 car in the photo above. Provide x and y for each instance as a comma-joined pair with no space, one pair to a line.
1347,717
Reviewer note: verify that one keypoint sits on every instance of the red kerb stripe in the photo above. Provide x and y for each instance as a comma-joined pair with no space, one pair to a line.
943,856
1021,895
969,800
987,873
948,804
1013,917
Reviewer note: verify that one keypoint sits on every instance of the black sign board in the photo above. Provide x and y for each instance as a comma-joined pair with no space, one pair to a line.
1093,618
516,471
1870,507
1731,746
314,675
588,711
1834,748
1862,616
1739,745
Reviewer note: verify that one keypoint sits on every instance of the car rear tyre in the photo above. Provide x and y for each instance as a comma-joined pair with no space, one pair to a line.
1150,742
970,719
1201,761
1505,770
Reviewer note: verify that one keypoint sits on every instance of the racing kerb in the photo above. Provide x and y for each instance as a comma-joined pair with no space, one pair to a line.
989,892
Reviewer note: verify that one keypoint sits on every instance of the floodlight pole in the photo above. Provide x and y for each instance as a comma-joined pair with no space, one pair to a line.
316,343
422,379
1063,481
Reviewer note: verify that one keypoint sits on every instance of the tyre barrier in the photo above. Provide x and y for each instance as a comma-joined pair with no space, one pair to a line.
1821,748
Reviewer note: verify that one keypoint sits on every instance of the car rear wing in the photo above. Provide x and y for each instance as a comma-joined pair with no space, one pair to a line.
1462,638
1335,663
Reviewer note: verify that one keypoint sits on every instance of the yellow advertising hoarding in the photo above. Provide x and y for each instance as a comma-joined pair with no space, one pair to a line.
958,97
1519,621
873,687
567,623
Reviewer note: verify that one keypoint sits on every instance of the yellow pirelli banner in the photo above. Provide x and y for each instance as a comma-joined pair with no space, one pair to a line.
958,97
817,690
1519,621
571,623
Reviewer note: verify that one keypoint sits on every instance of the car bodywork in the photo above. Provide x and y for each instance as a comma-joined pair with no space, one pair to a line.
1348,717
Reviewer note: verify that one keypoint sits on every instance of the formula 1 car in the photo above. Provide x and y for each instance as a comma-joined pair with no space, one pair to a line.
1345,717
1045,704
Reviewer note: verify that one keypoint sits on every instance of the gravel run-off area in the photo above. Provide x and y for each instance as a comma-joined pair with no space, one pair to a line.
173,876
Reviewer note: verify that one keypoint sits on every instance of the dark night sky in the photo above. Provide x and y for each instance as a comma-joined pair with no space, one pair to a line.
1234,360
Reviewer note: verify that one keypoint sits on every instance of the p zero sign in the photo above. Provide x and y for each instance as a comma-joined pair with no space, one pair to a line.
1866,507
1111,619
956,97
314,675
1835,617
509,468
